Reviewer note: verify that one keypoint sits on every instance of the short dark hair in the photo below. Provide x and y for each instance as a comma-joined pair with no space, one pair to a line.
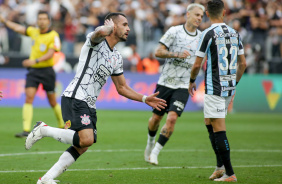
44,12
215,8
114,15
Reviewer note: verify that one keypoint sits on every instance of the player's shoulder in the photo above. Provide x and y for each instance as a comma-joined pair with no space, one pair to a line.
31,29
53,33
175,28
208,31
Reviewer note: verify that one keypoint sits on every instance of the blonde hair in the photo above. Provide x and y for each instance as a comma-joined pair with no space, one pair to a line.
193,5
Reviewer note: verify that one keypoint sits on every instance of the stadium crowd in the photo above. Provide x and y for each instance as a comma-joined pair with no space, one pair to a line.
259,23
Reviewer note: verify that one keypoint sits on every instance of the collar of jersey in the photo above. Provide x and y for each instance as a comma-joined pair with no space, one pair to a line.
108,45
188,32
49,30
217,24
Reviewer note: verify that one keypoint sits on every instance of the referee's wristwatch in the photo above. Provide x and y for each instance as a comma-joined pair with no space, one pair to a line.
37,61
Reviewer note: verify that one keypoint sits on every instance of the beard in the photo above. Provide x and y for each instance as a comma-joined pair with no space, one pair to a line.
122,39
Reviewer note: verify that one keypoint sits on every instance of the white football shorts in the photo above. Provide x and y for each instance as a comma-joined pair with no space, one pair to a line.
216,106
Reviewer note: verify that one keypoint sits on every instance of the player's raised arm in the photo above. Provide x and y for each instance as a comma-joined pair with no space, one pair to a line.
1,95
102,31
12,25
126,91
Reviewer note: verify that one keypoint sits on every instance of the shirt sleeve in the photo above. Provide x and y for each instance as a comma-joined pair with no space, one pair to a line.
203,44
30,31
168,38
56,43
118,69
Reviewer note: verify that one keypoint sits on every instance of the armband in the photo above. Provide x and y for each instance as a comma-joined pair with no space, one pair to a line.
144,98
192,80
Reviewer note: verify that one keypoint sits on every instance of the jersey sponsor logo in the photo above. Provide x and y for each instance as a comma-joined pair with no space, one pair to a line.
182,63
101,74
227,77
179,105
224,88
220,110
85,120
68,124
223,35
90,100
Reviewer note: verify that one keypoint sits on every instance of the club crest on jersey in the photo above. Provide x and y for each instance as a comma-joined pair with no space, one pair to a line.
68,124
85,120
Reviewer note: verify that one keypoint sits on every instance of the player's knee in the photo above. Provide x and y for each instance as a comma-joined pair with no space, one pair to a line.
171,120
86,142
156,119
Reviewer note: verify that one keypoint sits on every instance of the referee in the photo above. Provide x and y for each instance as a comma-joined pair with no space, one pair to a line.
45,42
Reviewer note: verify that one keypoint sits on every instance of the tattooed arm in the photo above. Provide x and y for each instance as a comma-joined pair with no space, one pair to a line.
102,31
163,52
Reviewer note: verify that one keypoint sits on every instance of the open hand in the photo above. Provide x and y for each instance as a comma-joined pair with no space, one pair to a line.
109,23
156,102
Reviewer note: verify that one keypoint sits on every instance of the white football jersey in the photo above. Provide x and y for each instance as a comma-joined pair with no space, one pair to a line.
96,64
175,71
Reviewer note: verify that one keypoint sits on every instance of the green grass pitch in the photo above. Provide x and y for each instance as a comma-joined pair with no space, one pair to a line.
117,158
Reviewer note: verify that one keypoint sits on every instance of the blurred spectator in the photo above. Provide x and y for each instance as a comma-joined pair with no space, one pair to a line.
241,30
135,60
151,64
70,29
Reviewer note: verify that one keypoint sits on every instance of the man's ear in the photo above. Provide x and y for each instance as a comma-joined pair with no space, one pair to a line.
207,13
223,12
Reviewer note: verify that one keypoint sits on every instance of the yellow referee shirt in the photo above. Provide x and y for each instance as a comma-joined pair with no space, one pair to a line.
41,43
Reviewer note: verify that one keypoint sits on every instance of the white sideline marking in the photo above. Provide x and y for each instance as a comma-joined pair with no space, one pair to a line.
140,168
137,150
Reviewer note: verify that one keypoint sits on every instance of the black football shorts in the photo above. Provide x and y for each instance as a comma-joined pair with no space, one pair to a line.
78,116
176,99
45,76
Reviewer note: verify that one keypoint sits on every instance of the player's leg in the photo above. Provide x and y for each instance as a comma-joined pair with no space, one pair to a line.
165,134
27,112
153,126
48,81
78,116
177,101
67,136
215,108
56,108
70,155
223,147
154,121
219,170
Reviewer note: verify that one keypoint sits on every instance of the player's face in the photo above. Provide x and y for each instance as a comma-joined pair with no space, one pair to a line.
122,28
195,16
43,21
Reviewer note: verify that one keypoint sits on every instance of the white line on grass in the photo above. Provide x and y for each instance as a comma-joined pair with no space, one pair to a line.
138,150
139,168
